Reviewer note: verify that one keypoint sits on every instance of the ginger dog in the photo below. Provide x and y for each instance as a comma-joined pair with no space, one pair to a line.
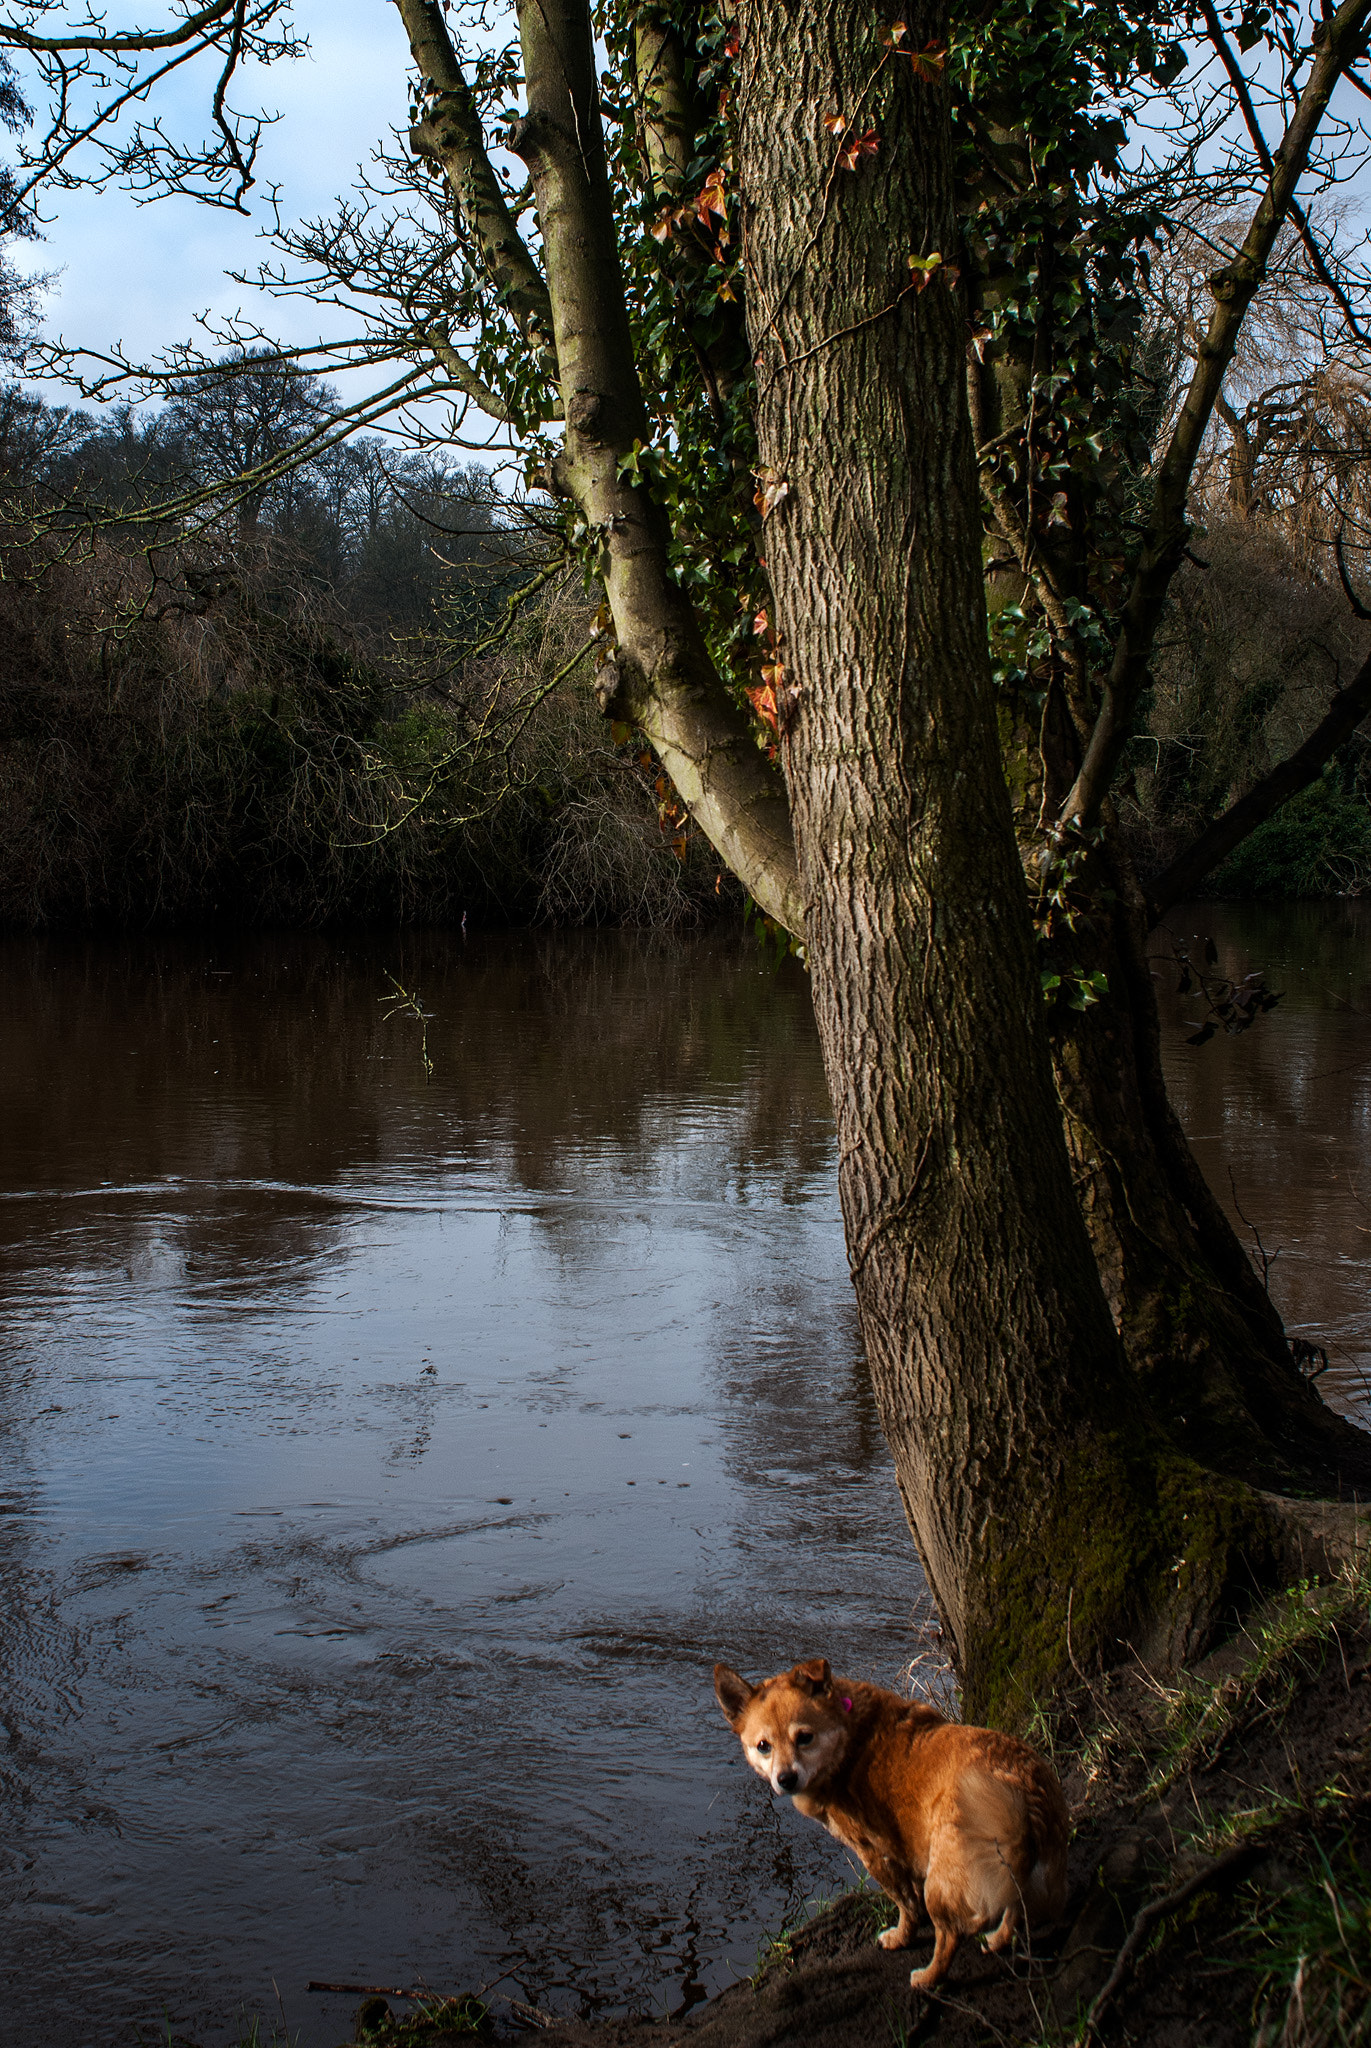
963,1822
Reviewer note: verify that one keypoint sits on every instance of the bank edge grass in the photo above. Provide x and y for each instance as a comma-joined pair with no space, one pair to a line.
250,2034
436,2018
1309,1948
864,1901
1292,1635
1196,1719
1316,1990
1311,1943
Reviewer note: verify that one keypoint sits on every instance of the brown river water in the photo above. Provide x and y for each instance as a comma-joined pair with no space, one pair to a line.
385,1462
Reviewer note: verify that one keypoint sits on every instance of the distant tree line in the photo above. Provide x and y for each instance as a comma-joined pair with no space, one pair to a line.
317,699
389,532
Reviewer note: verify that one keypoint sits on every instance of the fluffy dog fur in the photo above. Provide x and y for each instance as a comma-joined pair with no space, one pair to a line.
962,1822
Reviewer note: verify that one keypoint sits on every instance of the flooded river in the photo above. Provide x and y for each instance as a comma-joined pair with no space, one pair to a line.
387,1459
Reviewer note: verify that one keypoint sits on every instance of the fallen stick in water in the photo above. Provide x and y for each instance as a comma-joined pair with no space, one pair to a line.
528,2012
379,1991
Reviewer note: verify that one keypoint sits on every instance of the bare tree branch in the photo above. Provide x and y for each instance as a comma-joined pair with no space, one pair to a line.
98,41
1338,42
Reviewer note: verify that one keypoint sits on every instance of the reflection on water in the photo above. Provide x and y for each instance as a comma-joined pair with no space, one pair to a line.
386,1465
1280,1117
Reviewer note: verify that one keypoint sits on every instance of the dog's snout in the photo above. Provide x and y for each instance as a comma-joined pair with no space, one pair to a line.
787,1780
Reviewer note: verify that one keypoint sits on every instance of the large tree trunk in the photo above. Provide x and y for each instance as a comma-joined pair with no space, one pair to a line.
1037,1482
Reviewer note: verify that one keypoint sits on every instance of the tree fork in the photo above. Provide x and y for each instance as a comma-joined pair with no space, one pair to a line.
450,135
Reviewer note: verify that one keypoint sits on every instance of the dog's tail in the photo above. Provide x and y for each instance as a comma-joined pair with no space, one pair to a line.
1049,1826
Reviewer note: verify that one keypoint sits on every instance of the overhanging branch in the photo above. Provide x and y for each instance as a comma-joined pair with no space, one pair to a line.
97,41
1185,874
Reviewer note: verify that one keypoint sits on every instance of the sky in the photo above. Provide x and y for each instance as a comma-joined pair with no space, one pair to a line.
142,275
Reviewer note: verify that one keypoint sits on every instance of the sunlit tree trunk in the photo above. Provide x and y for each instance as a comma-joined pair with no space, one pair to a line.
1035,1478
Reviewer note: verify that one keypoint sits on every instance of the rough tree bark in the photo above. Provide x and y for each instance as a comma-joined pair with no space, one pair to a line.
1199,1331
1032,1471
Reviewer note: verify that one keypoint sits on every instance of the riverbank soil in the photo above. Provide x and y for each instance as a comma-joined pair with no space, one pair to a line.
1220,1880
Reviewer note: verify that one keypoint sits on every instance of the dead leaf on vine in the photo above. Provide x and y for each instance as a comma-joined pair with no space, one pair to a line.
711,199
762,698
851,154
770,490
894,33
663,225
761,624
732,45
835,123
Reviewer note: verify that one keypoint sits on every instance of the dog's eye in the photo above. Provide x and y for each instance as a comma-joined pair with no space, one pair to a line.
803,1737
763,1749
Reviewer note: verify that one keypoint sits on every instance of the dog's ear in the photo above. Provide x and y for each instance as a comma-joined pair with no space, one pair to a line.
813,1673
733,1692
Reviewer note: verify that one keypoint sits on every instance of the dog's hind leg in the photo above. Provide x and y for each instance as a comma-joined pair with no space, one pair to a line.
1005,1932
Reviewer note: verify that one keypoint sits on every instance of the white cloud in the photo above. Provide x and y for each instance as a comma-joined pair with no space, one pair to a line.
140,275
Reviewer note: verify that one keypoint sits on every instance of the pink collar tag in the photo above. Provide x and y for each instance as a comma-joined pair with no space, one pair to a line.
847,1706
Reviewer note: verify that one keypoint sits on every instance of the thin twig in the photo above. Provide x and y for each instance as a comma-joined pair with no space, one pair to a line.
1154,1910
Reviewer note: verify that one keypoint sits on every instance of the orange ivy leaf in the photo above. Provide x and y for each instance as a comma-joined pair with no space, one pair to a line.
835,123
711,199
762,698
761,624
851,154
893,33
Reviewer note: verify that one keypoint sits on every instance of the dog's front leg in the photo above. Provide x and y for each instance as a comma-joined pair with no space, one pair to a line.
902,1933
903,1888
